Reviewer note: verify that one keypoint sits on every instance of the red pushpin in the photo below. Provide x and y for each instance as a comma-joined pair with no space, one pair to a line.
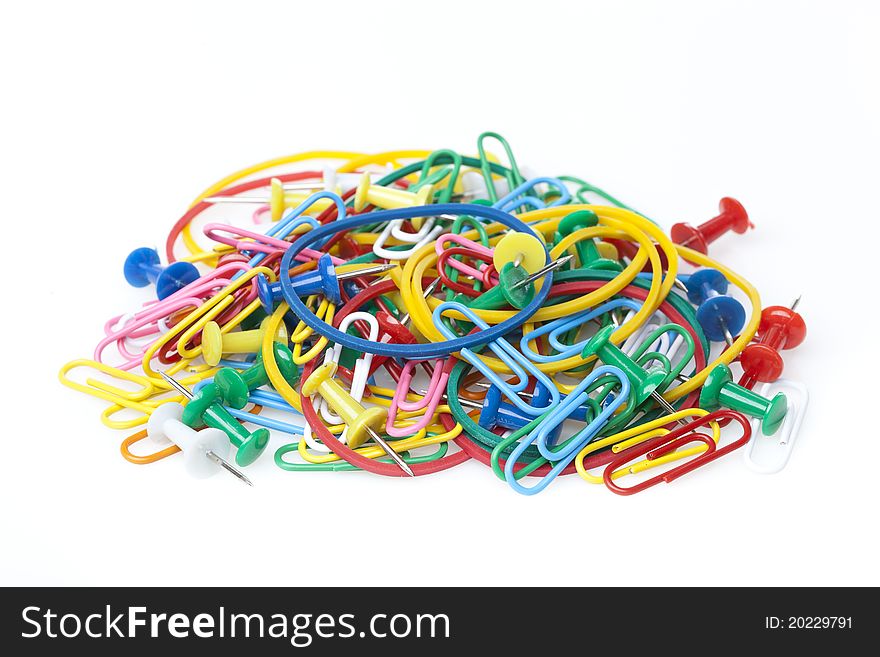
732,216
780,328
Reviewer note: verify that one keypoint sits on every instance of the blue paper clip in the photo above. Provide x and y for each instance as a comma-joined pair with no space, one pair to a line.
518,364
517,198
542,433
565,324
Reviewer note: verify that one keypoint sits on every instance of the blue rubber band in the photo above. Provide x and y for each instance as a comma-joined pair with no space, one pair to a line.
410,351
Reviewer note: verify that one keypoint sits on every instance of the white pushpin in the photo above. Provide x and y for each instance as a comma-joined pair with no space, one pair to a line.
204,452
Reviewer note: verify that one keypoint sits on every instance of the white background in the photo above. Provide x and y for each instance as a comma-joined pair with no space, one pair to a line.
114,118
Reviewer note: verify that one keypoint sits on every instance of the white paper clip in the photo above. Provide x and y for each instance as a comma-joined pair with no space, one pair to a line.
769,454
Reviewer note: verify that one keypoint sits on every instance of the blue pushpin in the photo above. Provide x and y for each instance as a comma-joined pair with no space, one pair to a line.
142,268
321,280
495,412
720,315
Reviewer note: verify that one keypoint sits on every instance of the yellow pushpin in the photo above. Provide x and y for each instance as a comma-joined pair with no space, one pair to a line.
388,198
215,343
362,422
280,199
523,249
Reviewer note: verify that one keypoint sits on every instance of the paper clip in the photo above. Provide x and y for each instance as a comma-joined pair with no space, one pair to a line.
678,437
553,330
565,453
780,445
442,245
519,365
429,401
284,227
426,234
518,198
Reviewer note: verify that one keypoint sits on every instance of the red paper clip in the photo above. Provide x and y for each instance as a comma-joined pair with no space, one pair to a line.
678,438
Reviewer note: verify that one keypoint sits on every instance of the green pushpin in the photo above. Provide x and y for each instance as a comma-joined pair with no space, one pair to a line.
516,287
233,386
508,292
644,383
202,409
720,390
588,252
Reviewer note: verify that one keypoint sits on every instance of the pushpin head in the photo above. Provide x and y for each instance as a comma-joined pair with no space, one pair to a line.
718,313
491,404
175,277
578,220
360,195
786,323
329,282
700,280
762,362
310,385
252,447
738,218
717,379
775,415
594,346
518,296
136,265
276,199
264,294
523,247
686,234
212,343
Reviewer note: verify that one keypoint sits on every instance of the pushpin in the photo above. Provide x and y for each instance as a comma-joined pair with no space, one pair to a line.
720,390
497,412
361,422
522,249
322,280
279,200
233,386
515,287
215,343
206,411
644,383
780,328
732,216
142,268
587,251
543,271
720,315
204,452
388,198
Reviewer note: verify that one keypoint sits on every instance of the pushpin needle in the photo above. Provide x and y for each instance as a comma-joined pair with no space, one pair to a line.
546,269
398,460
366,271
210,454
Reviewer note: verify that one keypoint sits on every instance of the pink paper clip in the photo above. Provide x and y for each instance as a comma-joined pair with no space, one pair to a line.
429,402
